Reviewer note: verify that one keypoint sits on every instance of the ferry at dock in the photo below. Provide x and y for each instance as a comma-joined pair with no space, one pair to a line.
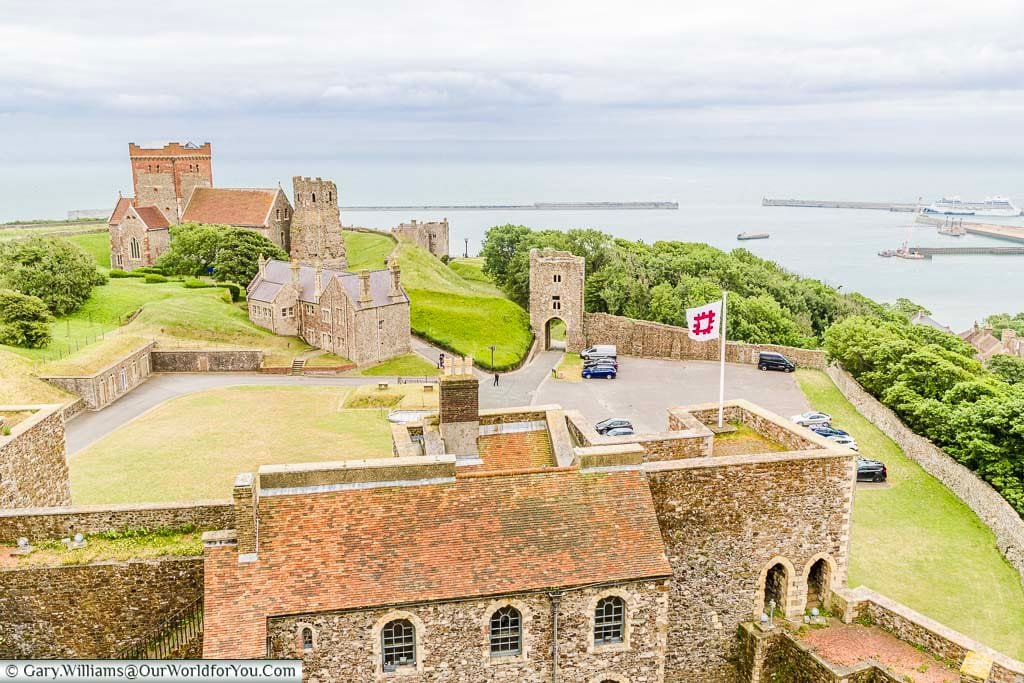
991,206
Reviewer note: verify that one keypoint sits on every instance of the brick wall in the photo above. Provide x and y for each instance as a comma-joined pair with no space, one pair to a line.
655,340
984,500
41,523
102,388
778,656
453,646
33,470
459,399
91,611
238,360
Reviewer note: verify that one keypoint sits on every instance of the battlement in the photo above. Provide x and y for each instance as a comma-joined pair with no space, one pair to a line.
314,192
171,149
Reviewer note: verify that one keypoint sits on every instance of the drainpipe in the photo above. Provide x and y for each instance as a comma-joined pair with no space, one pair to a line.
555,596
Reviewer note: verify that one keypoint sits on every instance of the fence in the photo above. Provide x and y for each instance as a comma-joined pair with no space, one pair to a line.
173,636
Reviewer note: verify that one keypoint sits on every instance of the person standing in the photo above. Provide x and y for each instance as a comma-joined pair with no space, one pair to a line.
440,361
496,376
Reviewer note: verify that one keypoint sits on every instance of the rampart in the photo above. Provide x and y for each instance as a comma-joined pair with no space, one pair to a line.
655,340
101,388
33,470
992,508
207,360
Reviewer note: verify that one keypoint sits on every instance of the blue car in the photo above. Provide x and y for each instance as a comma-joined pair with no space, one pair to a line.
599,371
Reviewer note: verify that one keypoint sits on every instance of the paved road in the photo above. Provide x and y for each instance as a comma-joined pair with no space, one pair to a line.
645,389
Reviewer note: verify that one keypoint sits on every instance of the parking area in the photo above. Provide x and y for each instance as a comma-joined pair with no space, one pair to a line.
645,389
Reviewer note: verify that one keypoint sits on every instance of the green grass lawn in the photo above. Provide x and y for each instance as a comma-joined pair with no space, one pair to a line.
367,250
129,545
192,447
471,270
917,543
569,368
96,244
462,316
409,365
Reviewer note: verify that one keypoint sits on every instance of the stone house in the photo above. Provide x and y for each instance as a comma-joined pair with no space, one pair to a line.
431,236
265,211
138,234
360,316
987,344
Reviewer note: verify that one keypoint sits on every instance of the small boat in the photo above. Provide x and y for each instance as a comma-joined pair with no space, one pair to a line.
906,252
887,253
753,236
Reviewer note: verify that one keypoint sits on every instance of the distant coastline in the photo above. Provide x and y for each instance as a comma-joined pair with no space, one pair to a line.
536,206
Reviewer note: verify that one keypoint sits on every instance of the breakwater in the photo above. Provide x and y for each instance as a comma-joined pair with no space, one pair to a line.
536,206
928,252
1010,233
830,204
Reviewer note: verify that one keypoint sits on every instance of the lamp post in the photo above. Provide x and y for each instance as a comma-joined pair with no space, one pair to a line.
492,347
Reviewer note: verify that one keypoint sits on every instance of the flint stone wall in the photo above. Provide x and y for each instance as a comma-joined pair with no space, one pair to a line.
94,610
655,340
452,640
102,388
33,470
777,656
239,360
992,508
43,523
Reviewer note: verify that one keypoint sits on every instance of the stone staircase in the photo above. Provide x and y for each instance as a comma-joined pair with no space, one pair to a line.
298,366
179,637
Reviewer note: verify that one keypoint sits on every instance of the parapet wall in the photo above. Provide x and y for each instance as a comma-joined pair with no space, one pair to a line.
101,388
41,523
671,444
655,340
33,470
91,611
992,508
237,360
777,656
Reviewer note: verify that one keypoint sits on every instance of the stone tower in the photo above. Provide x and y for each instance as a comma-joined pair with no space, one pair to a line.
165,176
316,224
556,292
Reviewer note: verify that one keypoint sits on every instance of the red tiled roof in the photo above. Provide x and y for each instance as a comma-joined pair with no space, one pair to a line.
513,451
398,545
242,207
120,209
152,217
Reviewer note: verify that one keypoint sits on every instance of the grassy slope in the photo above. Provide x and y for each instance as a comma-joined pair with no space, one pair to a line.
192,447
409,365
95,244
461,315
367,250
919,544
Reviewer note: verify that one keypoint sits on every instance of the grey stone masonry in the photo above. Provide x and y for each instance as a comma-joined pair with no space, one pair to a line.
556,292
33,471
105,386
316,225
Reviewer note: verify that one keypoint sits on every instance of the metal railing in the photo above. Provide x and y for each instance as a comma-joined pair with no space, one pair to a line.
418,380
180,629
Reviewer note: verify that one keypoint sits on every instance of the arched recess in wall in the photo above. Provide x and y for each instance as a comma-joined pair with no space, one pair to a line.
819,574
609,678
775,585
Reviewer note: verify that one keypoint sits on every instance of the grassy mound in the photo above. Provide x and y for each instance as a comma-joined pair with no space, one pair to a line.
917,543
464,316
367,250
409,365
96,244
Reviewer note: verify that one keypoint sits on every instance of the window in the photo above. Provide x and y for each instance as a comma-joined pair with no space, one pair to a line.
325,315
556,303
124,379
398,644
120,260
307,309
330,196
609,618
325,340
277,214
307,639
557,278
286,213
506,632
380,325
312,196
135,249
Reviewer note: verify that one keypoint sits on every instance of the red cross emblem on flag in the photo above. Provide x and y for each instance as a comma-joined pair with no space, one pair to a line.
705,322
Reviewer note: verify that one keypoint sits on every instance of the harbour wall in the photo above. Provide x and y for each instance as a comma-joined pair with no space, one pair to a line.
536,206
830,204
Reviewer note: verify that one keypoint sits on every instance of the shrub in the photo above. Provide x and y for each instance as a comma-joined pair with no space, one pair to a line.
233,288
116,273
153,278
150,269
197,284
24,320
54,270
232,253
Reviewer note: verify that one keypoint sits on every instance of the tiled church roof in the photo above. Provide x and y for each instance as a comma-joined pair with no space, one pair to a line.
152,217
229,206
120,209
392,545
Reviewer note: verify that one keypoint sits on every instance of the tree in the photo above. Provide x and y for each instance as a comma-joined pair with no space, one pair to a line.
54,270
501,243
193,249
238,254
24,320
1010,369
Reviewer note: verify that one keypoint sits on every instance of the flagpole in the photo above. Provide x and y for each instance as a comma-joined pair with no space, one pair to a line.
721,367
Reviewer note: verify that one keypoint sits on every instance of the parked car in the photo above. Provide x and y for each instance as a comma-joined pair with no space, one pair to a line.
826,430
611,360
599,351
812,418
770,360
871,470
844,441
599,371
620,431
612,423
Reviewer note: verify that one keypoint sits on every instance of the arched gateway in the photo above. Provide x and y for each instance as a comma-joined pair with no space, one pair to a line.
556,292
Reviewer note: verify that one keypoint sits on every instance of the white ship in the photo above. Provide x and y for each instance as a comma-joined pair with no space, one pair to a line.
954,206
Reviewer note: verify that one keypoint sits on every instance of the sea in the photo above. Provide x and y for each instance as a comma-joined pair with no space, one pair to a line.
717,200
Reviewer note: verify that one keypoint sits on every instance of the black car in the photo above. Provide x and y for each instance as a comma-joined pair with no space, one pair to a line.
827,431
612,423
769,360
614,362
871,470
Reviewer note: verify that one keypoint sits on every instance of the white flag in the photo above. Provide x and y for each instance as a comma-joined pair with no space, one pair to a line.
705,322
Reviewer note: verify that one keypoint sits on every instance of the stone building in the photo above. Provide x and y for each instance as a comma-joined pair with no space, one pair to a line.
33,471
164,177
432,236
360,316
316,226
988,345
266,211
138,235
556,293
543,553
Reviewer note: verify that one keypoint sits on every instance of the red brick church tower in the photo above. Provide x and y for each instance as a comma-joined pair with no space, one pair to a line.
165,176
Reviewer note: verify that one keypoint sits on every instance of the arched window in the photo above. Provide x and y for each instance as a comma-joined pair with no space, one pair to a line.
307,639
609,620
506,632
398,644
136,251
312,197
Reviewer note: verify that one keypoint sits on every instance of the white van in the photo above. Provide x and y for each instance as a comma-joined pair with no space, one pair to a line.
599,351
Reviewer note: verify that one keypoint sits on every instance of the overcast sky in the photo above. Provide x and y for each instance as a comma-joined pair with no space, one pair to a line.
868,78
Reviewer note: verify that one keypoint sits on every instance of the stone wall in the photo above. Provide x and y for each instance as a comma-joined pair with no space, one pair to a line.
432,236
316,224
102,388
668,445
33,470
726,521
556,291
776,655
91,611
655,340
208,360
993,510
776,428
452,640
41,523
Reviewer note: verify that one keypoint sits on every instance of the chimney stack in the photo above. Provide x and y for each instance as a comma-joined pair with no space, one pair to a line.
396,280
365,297
318,276
263,266
459,400
295,277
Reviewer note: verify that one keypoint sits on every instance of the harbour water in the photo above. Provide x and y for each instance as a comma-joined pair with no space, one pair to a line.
717,200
